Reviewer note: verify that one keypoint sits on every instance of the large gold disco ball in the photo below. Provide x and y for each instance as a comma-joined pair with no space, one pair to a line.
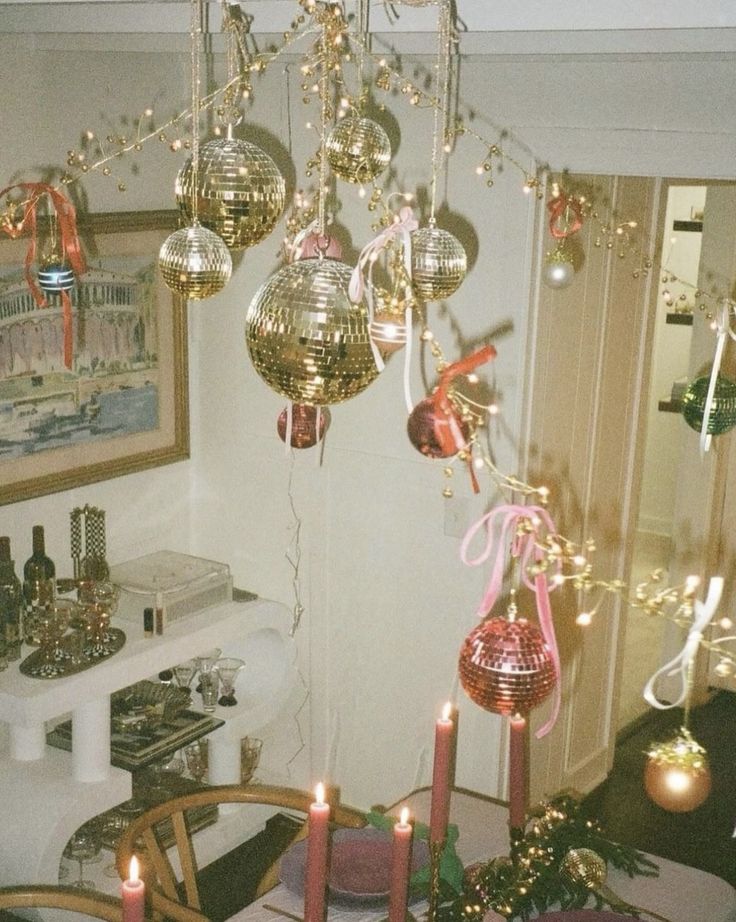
240,191
438,263
306,338
195,262
358,149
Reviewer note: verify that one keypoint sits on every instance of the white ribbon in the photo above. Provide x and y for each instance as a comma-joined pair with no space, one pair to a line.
723,327
704,612
403,225
407,360
295,250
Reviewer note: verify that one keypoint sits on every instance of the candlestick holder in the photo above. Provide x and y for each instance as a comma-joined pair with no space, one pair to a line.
435,855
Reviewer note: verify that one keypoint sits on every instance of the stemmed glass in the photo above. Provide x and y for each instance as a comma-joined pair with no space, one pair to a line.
49,625
100,601
227,669
185,672
206,663
83,846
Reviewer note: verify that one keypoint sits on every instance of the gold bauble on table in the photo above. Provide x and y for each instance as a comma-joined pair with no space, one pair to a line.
677,776
306,338
438,263
358,149
240,191
195,262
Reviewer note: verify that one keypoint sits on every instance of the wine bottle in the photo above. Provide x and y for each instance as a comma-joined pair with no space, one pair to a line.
11,604
38,582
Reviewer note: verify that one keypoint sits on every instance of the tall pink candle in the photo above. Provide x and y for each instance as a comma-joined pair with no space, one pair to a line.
517,773
315,883
400,863
133,894
440,809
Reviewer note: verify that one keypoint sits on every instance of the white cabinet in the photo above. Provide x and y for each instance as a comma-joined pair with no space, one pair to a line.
45,793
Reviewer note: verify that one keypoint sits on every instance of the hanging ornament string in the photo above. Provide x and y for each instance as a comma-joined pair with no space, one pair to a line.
323,91
71,252
195,33
565,216
525,524
723,329
442,67
682,663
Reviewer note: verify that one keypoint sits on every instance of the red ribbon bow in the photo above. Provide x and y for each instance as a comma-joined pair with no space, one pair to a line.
450,437
71,251
561,206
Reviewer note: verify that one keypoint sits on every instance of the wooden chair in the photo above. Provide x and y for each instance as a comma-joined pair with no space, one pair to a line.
141,838
40,896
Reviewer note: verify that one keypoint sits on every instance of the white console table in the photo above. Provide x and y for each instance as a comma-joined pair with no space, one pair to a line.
47,793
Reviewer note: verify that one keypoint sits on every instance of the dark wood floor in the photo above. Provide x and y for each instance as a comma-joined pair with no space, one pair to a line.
702,838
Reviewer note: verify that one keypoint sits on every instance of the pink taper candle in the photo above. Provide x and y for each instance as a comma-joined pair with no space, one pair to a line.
315,883
134,895
517,773
400,862
440,809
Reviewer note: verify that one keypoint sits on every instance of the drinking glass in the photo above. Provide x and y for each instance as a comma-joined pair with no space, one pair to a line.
185,672
83,846
209,683
196,756
250,756
228,668
98,612
206,663
49,624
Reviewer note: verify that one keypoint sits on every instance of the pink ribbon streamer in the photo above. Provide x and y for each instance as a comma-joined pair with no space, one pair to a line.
525,547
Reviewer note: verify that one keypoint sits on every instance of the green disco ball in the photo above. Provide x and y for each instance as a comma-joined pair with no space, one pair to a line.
306,338
723,412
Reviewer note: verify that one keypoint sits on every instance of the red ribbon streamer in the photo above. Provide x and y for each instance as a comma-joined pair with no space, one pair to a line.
560,206
450,437
71,251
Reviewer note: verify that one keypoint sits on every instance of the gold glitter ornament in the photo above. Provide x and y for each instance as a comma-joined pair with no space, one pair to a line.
584,866
195,262
357,149
677,776
438,263
306,338
240,192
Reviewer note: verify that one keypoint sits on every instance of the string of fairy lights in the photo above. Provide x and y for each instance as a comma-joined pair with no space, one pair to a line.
323,75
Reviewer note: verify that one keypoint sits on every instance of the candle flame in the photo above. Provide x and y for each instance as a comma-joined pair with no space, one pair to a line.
133,872
319,793
447,710
404,816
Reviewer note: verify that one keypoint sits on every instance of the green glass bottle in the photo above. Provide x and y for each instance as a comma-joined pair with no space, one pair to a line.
39,575
11,603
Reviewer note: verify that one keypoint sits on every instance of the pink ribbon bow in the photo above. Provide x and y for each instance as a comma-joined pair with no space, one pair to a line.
403,224
526,547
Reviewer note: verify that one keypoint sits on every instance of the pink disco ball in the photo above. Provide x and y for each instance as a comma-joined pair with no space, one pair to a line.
304,430
506,666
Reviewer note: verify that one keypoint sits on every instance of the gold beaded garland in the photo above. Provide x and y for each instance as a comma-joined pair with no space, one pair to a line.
306,338
240,191
358,149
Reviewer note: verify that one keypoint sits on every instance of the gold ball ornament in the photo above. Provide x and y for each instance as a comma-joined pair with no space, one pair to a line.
195,262
677,776
388,331
584,866
438,263
358,149
306,338
240,192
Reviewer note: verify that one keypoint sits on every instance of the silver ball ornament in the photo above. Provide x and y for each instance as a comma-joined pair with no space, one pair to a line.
558,270
438,263
358,149
195,262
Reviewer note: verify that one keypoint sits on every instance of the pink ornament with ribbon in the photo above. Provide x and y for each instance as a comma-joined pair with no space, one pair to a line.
501,525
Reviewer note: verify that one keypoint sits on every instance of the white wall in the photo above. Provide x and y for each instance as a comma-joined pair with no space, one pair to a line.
387,601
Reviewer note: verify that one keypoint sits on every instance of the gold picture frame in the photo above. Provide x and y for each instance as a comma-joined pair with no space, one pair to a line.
124,405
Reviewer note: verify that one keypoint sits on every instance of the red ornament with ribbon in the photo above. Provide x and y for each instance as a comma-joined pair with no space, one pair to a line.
71,252
565,216
435,427
508,665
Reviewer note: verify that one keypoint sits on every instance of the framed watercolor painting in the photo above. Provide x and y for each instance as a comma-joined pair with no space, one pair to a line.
123,404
